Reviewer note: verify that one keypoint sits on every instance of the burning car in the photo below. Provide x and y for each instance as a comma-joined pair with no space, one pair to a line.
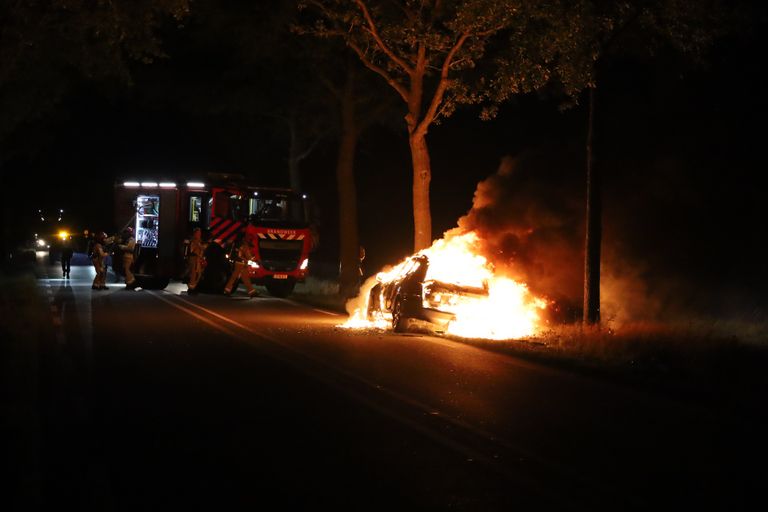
411,296
452,288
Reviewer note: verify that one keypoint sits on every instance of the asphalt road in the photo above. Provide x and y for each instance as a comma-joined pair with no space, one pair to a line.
155,400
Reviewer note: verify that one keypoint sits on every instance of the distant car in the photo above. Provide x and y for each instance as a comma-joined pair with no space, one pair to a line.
410,296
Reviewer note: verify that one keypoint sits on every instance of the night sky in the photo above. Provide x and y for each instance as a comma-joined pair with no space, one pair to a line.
681,148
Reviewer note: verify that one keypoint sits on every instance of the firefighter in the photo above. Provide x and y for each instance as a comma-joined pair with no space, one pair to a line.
126,247
241,258
66,257
360,272
195,253
97,257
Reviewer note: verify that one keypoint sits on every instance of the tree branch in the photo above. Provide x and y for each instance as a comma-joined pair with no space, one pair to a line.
379,41
330,86
442,85
379,70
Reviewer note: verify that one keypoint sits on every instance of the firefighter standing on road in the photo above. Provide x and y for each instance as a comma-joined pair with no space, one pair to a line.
195,259
97,257
66,257
242,257
126,247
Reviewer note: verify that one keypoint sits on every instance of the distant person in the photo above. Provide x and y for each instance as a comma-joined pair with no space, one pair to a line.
241,258
90,241
195,253
66,257
126,246
360,269
98,255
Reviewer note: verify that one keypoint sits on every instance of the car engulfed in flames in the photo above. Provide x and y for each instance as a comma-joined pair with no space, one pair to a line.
411,296
448,288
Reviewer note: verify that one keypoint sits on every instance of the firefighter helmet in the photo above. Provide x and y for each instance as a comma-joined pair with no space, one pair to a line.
128,230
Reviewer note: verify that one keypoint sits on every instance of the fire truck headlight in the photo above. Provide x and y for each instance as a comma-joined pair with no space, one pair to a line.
253,264
304,264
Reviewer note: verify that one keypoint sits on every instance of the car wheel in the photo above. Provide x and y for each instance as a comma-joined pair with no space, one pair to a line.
398,322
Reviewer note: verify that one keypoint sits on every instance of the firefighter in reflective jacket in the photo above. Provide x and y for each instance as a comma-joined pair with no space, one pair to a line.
126,248
97,257
195,253
241,257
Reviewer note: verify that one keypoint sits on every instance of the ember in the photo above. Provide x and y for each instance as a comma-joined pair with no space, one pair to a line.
452,287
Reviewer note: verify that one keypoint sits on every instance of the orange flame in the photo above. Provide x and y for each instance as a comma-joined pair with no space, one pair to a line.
507,311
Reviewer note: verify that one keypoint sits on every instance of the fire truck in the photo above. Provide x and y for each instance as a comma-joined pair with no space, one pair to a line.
163,215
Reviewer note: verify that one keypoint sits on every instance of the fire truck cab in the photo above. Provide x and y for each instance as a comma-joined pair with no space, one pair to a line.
275,222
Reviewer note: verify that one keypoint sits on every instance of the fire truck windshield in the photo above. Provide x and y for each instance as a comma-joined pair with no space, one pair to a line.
278,209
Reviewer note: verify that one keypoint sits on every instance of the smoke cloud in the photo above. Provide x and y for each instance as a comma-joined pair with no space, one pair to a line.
530,217
530,222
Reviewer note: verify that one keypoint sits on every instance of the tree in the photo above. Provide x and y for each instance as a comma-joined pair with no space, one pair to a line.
46,48
438,55
360,104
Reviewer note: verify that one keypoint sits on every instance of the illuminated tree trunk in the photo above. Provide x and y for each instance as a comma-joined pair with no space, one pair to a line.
345,180
593,228
422,175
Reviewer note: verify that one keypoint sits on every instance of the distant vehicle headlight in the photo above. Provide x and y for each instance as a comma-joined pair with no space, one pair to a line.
40,242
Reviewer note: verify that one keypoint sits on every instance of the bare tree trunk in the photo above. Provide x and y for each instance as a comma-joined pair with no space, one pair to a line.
5,219
349,250
294,157
593,228
422,175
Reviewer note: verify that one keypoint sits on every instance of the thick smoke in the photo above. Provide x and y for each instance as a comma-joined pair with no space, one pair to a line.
530,221
530,218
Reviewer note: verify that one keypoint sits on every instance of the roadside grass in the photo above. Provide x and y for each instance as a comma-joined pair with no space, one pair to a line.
322,293
716,361
20,414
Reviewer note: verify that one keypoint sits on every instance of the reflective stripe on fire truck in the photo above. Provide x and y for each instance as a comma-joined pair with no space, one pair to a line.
231,233
279,236
224,230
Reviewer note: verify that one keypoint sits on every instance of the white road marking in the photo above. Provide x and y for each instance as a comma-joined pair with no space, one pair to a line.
424,408
192,313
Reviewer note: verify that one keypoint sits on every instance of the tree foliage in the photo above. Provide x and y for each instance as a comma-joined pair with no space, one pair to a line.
47,46
441,54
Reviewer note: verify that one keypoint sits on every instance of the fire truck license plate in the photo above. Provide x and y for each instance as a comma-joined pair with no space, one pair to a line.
280,276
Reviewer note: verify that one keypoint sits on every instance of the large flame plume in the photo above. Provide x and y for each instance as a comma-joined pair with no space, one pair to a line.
505,309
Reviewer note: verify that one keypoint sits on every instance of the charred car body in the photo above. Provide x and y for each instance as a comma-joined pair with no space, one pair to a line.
412,296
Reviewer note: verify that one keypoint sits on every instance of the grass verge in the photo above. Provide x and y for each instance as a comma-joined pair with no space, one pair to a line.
21,423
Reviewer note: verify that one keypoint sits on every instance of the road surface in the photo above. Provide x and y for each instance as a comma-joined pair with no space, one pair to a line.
156,400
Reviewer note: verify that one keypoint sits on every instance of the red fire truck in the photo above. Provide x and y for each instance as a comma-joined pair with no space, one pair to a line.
164,213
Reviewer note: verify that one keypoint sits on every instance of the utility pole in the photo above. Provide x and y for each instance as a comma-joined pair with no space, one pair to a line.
593,227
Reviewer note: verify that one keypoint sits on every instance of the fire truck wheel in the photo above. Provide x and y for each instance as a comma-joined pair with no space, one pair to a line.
280,289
